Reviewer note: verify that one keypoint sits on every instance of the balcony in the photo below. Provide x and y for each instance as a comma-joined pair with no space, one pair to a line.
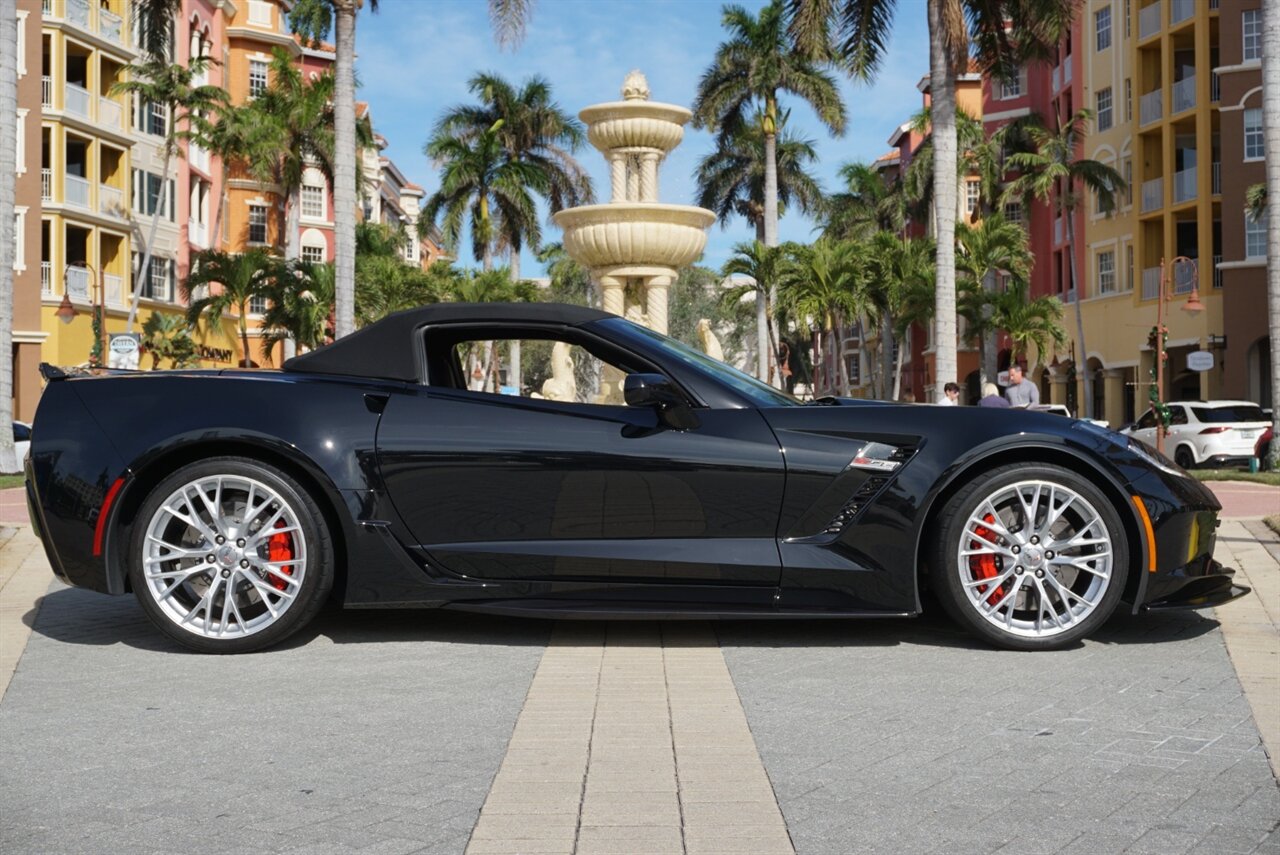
1066,71
1181,10
113,287
46,185
110,114
78,12
1184,185
1215,88
1150,283
1153,194
1217,274
46,278
76,100
1057,230
1184,94
1149,20
1057,78
77,279
75,191
46,91
111,201
1217,178
198,158
197,234
1150,107
110,25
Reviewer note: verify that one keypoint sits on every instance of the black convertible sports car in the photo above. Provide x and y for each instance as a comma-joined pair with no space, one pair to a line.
646,479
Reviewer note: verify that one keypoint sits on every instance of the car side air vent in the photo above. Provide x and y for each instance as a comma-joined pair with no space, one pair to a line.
862,497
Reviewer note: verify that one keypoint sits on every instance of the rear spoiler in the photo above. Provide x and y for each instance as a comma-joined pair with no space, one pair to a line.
53,372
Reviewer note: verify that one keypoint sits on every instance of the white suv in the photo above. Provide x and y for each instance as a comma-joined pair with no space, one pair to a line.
1206,431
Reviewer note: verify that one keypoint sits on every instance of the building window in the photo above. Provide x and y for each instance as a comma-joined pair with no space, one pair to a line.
1255,236
20,153
19,238
159,283
257,224
313,201
1128,99
1251,27
1107,272
1126,171
257,77
313,254
1104,109
1253,139
1010,89
1013,213
971,193
1102,27
1128,269
157,120
257,305
151,193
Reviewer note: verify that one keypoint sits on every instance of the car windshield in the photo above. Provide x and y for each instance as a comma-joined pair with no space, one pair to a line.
759,393
1231,413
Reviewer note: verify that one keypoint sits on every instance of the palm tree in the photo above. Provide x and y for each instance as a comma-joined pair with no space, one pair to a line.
1271,136
490,286
750,71
1053,173
168,336
531,128
902,272
869,203
386,283
764,265
1004,35
189,109
8,179
481,183
822,285
1028,322
313,19
993,247
155,26
731,178
1255,200
299,304
226,282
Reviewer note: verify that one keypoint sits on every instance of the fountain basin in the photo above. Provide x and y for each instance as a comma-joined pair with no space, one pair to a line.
635,124
635,234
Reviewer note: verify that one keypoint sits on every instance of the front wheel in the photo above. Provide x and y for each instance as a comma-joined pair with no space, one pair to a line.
1030,557
230,555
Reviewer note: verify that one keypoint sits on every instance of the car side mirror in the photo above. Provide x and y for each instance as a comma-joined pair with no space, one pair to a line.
655,390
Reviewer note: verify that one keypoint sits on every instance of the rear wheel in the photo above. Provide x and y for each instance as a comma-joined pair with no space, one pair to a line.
1030,557
230,555
1184,458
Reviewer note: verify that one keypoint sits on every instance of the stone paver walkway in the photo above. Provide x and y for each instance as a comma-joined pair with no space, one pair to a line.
24,577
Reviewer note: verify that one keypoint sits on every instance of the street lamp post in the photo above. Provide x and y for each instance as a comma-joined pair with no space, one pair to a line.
1193,307
67,312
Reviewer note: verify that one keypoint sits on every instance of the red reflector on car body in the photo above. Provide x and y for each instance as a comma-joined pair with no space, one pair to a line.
1214,430
100,528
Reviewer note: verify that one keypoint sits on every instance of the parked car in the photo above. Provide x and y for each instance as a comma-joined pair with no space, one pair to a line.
1262,450
21,439
232,503
1206,432
1061,410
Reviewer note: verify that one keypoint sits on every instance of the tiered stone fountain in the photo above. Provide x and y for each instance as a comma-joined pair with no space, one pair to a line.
634,245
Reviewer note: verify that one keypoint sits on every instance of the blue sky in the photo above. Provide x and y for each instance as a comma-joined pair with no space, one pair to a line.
415,57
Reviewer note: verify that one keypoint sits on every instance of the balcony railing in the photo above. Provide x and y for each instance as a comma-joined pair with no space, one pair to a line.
110,25
1150,107
1217,274
46,185
1057,78
198,157
111,200
1057,230
46,278
46,91
1184,185
1184,94
76,100
78,283
1181,10
1149,20
198,234
78,12
113,286
110,114
1150,283
1215,88
46,8
1152,194
1217,178
75,191
1066,71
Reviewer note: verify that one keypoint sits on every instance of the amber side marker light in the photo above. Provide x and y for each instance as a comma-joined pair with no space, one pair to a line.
1149,533
100,529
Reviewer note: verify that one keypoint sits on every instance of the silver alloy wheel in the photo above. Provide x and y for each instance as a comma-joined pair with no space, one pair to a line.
208,557
1035,559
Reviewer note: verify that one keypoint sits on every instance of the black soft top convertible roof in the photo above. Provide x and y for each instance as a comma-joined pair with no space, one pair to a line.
385,349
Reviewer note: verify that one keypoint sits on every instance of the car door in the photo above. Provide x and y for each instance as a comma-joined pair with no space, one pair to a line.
522,488
1145,429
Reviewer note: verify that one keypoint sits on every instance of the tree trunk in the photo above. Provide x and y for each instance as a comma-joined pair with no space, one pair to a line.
344,169
1271,136
819,364
988,342
886,358
943,118
8,179
842,369
245,361
1082,354
770,174
897,374
292,225
144,267
514,371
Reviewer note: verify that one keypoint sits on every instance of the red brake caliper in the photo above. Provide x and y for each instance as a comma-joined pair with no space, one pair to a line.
984,566
280,548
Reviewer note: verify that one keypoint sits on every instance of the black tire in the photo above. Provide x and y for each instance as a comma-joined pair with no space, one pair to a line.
1184,457
951,530
307,597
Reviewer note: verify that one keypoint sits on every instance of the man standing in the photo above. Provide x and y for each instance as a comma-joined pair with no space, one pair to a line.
1021,392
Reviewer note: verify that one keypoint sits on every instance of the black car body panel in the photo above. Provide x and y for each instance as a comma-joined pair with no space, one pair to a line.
441,496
